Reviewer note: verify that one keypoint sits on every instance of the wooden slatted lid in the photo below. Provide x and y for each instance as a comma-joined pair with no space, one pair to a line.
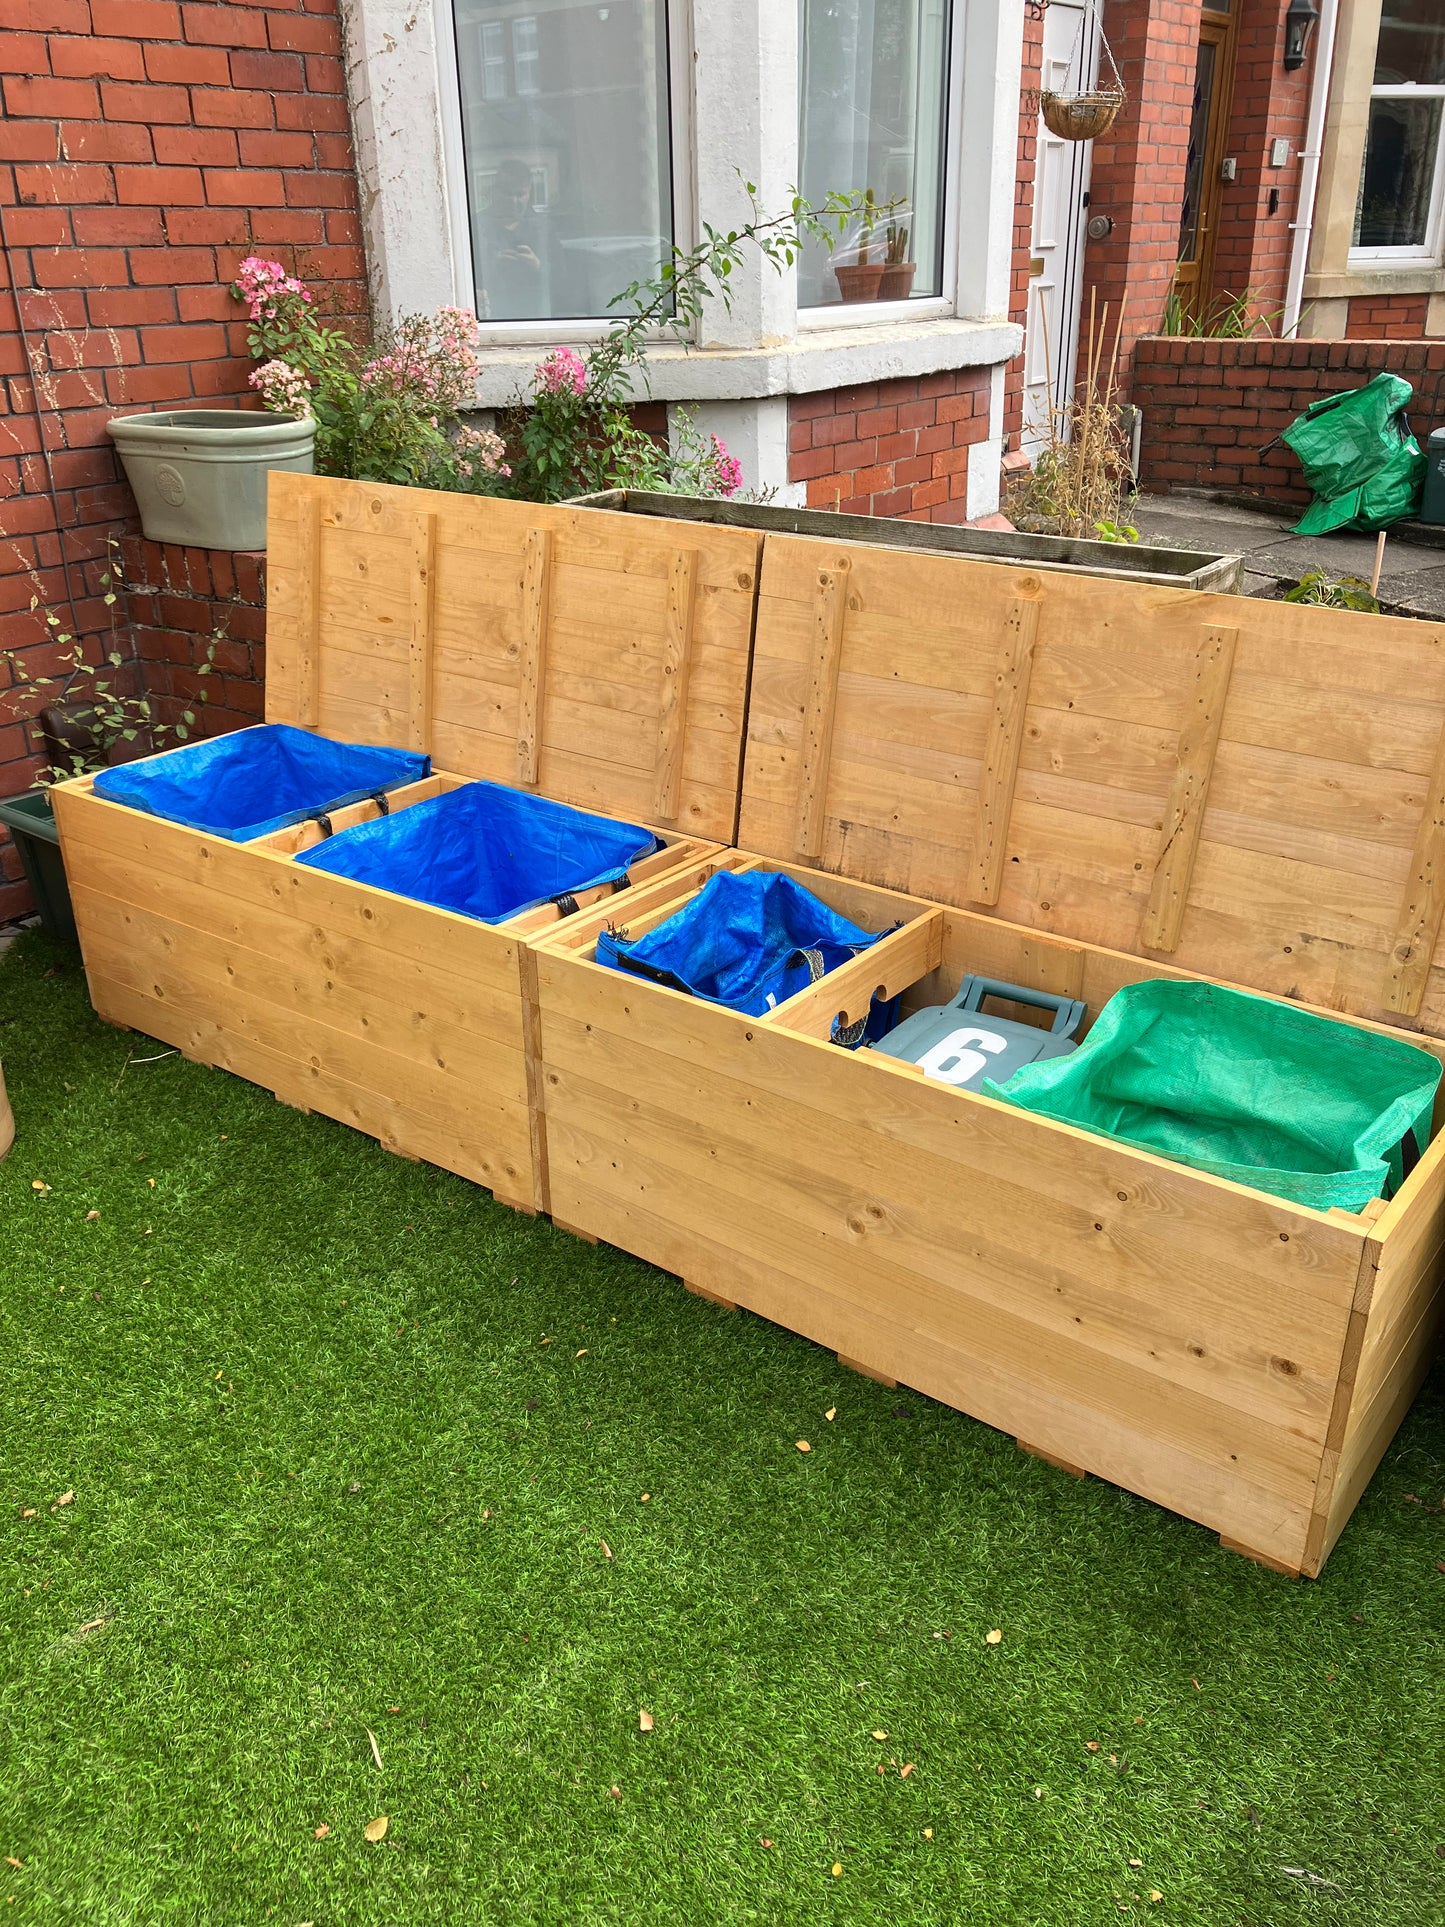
601,660
1253,790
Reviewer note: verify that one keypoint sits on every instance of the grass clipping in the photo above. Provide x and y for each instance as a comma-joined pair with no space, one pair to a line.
1084,476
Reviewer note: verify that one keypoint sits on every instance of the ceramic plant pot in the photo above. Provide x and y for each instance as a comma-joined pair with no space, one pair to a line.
859,281
199,474
897,282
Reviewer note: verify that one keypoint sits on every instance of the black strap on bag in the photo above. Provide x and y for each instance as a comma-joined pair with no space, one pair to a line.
566,903
667,978
1409,1158
382,802
321,820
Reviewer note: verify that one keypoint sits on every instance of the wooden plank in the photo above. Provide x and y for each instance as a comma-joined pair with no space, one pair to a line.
1189,792
536,595
676,675
1417,928
867,1371
829,618
420,647
1052,1458
885,970
308,592
1001,752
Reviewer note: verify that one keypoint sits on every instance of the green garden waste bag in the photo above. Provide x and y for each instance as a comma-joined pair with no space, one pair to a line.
1365,467
1260,1092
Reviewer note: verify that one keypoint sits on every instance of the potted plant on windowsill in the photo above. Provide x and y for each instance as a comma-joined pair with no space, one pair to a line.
898,270
859,279
89,725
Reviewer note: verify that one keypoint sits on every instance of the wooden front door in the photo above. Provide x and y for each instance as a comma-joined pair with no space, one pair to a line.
1199,209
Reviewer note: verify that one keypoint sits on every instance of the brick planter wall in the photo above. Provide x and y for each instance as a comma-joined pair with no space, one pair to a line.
897,448
1210,406
146,147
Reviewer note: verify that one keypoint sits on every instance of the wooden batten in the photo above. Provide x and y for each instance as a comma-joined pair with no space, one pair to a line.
600,660
1001,754
1255,790
1189,791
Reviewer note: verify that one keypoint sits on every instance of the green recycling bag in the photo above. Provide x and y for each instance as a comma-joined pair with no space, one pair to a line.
1264,1093
1365,467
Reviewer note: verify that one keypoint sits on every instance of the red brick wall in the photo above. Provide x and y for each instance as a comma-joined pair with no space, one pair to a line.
146,147
891,448
1388,317
188,605
1138,171
1252,248
1023,227
1211,406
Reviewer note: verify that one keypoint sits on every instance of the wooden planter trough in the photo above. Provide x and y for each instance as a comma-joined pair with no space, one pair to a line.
594,661
1078,785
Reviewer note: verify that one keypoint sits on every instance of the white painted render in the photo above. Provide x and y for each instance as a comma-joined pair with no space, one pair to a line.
741,123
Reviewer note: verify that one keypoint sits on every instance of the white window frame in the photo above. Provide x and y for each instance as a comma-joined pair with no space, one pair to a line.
1428,253
939,307
684,218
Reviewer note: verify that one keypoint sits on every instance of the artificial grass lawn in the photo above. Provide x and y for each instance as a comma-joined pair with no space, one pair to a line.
328,1478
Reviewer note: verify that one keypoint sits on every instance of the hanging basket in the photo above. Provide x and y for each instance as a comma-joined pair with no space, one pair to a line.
1081,117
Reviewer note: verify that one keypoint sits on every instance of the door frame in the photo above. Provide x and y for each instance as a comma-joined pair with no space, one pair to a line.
1196,288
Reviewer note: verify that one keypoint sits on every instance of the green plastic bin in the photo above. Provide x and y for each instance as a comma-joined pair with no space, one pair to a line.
31,822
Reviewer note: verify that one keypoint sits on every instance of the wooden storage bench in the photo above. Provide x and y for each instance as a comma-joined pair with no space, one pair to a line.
1096,785
599,664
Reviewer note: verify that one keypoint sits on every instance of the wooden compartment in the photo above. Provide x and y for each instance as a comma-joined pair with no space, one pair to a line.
596,663
1095,784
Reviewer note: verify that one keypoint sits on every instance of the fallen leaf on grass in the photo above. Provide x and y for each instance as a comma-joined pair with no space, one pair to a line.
606,1549
320,1833
1136,1863
582,1353
91,1216
29,1512
1091,1746
831,1413
645,1497
1154,1894
1314,1879
376,1829
615,1792
995,1638
66,1498
39,1184
90,1625
879,1734
837,1868
11,1861
906,1771
803,1446
763,1840
928,1833
375,1750
1195,1684
1113,1759
644,1721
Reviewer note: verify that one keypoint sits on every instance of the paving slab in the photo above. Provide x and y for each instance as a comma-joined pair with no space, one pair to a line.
1412,581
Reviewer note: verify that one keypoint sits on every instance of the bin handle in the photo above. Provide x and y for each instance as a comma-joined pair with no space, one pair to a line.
1068,1011
382,801
321,820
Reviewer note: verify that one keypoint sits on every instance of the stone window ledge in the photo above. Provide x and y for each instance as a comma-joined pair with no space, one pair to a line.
819,359
1416,277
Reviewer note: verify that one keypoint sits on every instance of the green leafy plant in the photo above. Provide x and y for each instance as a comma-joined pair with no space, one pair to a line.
1116,531
1334,592
574,432
90,712
1233,317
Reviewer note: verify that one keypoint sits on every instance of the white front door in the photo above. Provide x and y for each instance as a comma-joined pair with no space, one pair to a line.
1056,265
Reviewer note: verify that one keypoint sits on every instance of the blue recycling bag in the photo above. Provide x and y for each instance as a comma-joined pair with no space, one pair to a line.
252,781
749,942
484,851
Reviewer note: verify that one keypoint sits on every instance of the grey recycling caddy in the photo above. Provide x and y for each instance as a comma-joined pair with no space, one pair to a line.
963,1053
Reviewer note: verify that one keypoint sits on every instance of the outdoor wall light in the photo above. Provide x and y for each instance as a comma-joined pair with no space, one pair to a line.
1300,17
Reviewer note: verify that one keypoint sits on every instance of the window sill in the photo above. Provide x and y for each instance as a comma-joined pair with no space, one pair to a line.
818,358
1375,277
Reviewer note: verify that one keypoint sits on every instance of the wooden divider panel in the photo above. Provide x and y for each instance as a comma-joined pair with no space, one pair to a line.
1254,790
602,660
